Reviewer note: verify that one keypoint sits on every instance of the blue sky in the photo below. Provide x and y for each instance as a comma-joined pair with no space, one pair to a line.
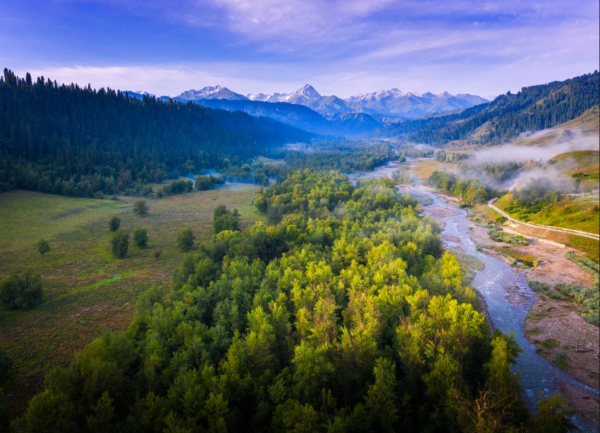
340,47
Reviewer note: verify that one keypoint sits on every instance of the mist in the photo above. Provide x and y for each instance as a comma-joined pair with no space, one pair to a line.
523,154
535,158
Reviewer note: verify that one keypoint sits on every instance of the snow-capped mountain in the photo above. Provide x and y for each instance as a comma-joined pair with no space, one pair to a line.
386,103
211,92
271,97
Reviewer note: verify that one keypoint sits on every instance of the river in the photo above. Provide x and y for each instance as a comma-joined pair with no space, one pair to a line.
507,296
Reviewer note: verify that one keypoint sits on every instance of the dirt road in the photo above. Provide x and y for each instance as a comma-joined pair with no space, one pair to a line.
539,226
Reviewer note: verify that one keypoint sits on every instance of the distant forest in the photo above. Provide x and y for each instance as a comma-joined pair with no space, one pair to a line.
65,139
532,109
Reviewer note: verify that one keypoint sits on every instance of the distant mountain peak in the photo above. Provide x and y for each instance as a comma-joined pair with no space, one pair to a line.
306,91
211,92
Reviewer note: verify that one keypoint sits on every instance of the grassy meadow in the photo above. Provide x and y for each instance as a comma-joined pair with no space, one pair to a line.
578,214
86,290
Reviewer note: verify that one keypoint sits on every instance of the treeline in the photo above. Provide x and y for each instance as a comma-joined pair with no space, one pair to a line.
341,315
451,157
532,109
65,139
470,191
345,160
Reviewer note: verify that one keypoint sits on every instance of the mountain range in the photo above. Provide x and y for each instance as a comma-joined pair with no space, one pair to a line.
533,108
307,109
389,103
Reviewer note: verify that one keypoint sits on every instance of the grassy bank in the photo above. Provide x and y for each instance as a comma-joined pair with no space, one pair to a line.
580,214
87,291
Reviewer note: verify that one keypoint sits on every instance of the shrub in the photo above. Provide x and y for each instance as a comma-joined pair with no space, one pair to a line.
5,366
225,219
140,208
119,244
185,239
140,237
21,291
114,224
42,246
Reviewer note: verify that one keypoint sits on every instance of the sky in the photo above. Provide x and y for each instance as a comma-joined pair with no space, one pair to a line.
341,47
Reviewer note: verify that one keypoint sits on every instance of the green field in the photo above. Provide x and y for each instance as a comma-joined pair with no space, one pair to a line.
87,291
580,214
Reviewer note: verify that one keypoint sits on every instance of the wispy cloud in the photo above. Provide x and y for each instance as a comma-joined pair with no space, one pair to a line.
341,47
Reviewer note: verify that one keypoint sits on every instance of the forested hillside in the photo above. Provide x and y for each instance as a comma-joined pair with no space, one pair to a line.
341,315
79,141
532,109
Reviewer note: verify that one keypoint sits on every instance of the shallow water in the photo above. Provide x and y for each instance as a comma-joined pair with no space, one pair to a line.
496,283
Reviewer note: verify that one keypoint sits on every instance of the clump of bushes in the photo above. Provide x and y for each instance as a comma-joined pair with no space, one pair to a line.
21,291
185,239
42,246
587,297
140,237
499,235
119,244
114,223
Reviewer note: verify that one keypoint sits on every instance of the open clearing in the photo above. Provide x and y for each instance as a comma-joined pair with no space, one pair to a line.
87,291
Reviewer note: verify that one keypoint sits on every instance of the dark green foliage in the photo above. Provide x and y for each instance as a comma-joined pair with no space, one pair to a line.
42,246
554,416
207,182
470,191
48,412
537,194
341,315
78,141
140,237
114,223
225,219
21,291
344,158
140,207
5,367
532,109
177,187
119,244
185,240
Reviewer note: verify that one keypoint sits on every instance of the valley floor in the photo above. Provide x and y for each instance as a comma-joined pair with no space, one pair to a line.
86,290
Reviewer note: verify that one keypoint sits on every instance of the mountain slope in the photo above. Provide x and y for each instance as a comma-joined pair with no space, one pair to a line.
532,109
298,116
78,141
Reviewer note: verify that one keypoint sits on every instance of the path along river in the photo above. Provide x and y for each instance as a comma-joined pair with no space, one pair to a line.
495,283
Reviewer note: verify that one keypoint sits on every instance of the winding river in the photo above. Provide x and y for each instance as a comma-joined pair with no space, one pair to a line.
499,284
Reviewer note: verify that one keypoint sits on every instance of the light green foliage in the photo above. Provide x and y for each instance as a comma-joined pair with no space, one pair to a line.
341,314
470,191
